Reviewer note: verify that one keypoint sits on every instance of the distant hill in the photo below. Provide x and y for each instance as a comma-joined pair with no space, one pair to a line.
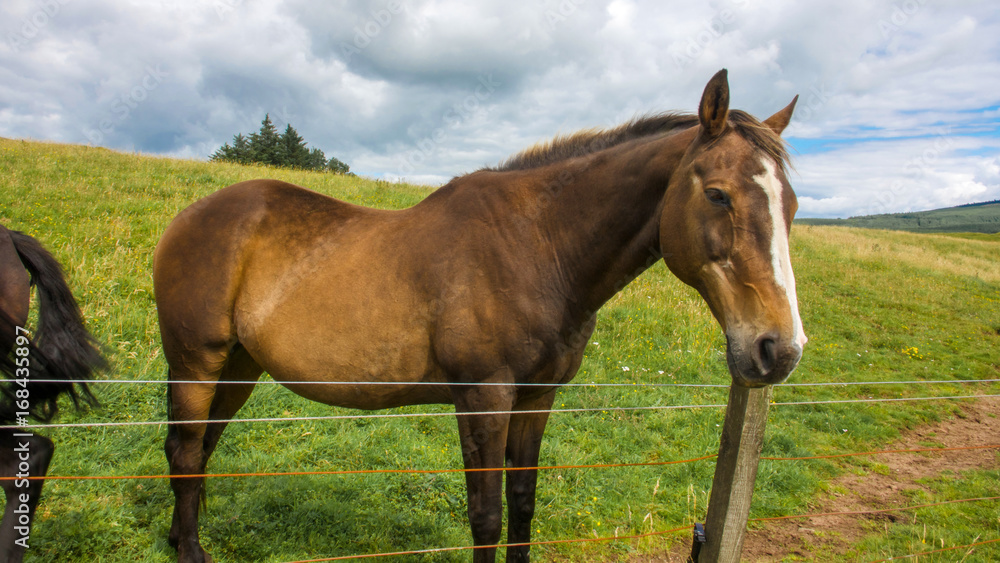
971,218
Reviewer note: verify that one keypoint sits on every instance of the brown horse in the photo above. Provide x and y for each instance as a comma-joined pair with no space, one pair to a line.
62,350
494,278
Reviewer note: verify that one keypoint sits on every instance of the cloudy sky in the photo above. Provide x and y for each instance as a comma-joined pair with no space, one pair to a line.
899,106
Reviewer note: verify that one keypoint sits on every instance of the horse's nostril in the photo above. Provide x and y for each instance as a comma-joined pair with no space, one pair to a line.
766,354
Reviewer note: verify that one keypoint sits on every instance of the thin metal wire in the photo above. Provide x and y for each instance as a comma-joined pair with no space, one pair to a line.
876,511
649,534
953,548
495,384
480,413
406,383
363,471
914,382
497,546
350,417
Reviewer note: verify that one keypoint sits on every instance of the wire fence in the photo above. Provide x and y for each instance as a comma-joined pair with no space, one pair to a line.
502,384
634,537
607,409
677,530
473,413
475,470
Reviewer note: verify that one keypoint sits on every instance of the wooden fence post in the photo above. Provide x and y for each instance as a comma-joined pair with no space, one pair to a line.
735,474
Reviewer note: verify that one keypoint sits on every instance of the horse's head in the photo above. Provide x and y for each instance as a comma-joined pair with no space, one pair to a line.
724,231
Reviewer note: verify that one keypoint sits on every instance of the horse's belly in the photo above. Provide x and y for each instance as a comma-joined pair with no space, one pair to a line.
372,396
375,376
351,326
347,355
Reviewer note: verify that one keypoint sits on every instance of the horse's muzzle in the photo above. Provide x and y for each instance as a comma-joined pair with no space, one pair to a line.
756,361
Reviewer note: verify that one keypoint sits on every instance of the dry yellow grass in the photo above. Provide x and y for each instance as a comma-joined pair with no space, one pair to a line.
939,253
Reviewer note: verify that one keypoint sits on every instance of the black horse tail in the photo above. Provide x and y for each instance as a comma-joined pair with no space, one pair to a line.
61,349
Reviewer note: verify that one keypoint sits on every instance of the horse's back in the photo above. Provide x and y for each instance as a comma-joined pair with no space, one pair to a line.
203,255
309,285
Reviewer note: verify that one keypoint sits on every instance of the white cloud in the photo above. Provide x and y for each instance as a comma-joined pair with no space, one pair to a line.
883,176
391,87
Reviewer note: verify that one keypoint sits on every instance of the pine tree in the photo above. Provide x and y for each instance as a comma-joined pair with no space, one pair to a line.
338,167
223,154
293,149
241,150
288,150
316,160
265,145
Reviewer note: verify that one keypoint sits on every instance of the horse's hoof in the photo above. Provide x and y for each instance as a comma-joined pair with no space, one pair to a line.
201,556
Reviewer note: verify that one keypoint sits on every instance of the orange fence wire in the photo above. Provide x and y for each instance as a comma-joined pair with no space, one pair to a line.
463,470
497,546
663,533
582,466
971,545
879,511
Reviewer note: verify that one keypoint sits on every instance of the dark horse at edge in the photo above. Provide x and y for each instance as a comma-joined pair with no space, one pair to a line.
61,351
495,278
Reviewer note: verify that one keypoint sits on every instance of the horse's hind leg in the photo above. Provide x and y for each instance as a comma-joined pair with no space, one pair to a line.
188,446
186,456
189,398
18,453
229,397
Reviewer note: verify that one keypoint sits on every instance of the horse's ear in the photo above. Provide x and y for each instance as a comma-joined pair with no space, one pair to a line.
780,120
714,105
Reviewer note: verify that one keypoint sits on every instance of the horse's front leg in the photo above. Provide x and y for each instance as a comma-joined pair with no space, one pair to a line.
524,440
484,437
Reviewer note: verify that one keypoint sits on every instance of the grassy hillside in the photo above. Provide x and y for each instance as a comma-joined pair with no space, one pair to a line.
974,218
877,306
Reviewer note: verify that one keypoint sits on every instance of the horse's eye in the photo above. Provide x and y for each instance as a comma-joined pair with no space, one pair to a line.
718,197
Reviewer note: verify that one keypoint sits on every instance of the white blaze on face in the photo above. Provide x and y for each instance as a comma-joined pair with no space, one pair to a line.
781,260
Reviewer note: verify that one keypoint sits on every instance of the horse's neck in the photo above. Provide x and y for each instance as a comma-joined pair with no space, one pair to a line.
602,216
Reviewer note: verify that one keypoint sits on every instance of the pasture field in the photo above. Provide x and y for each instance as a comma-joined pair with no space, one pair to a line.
980,218
879,307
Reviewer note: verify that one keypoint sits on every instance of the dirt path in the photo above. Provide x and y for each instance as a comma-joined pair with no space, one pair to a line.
979,425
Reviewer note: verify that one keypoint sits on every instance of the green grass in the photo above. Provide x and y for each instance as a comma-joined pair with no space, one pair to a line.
941,527
877,307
